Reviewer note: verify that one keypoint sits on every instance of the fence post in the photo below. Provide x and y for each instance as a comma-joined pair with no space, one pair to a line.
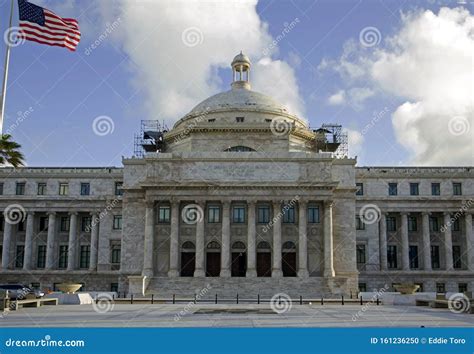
351,293
258,299
378,301
216,299
322,300
342,300
195,298
301,300
361,303
174,299
131,299
152,300
279,300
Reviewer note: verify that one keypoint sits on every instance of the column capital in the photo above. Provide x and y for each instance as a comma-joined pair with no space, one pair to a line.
200,202
251,202
73,212
51,213
226,203
30,212
404,213
150,203
427,213
328,203
174,201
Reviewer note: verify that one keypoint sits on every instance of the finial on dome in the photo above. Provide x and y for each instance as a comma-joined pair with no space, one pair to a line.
241,71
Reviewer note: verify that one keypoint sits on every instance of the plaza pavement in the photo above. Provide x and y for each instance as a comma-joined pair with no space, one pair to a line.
210,315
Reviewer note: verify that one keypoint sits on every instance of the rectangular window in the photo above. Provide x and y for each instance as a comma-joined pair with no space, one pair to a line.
457,188
263,212
20,256
392,189
114,287
64,224
118,188
238,214
455,226
41,258
63,189
360,189
360,254
462,287
412,223
63,253
84,256
313,215
391,223
21,226
239,119
362,287
434,223
213,214
414,189
43,223
457,261
117,222
359,223
20,188
85,189
435,257
115,254
164,214
435,189
86,224
440,288
392,257
1,188
413,255
288,214
41,189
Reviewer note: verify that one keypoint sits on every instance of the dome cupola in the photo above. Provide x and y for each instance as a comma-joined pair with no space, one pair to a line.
241,71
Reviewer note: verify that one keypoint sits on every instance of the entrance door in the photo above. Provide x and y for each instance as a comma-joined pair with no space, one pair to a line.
289,264
213,264
239,264
264,264
188,264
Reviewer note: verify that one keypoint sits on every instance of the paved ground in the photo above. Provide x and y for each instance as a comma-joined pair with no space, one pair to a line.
182,315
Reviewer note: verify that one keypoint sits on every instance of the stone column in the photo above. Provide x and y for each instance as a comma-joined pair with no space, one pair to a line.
383,241
426,241
29,240
7,240
448,241
328,240
469,241
149,241
302,239
276,271
200,242
174,240
405,242
251,240
72,246
50,256
94,241
225,255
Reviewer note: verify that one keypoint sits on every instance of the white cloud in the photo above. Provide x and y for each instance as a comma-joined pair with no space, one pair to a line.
358,95
355,141
338,98
178,47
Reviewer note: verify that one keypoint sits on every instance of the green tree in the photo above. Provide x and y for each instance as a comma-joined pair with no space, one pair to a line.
9,152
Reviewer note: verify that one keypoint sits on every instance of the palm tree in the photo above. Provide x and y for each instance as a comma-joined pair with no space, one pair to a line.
9,152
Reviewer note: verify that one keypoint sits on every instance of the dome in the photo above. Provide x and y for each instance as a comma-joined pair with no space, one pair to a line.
241,59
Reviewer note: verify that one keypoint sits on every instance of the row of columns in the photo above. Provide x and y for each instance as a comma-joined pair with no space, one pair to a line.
226,240
51,256
448,241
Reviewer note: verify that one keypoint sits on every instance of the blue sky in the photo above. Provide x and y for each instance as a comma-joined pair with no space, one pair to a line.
66,91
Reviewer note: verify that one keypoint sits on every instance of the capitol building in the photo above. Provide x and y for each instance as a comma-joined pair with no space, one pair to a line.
239,197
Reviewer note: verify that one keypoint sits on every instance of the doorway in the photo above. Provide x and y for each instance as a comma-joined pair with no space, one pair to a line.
264,260
213,259
188,259
288,259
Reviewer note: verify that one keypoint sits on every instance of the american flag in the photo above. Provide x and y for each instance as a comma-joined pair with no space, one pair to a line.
43,26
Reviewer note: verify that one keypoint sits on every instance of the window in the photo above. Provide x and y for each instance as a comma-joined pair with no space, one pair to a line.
41,189
63,253
288,214
359,223
64,224
85,189
435,256
238,214
41,258
414,189
213,214
457,188
362,287
435,189
20,256
84,256
20,188
263,216
86,223
43,223
1,188
210,120
118,188
115,254
63,189
457,261
114,287
360,189
117,222
239,119
392,257
420,289
455,226
313,215
391,223
434,223
21,226
462,287
440,288
413,255
239,148
360,254
412,223
392,189
164,214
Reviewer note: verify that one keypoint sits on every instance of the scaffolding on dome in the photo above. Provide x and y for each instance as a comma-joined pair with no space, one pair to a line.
150,137
333,139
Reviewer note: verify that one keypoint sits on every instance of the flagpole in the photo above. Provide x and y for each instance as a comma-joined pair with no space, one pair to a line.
5,72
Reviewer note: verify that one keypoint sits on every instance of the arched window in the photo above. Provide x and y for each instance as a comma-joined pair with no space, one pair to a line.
263,245
239,148
213,245
288,245
188,245
238,245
